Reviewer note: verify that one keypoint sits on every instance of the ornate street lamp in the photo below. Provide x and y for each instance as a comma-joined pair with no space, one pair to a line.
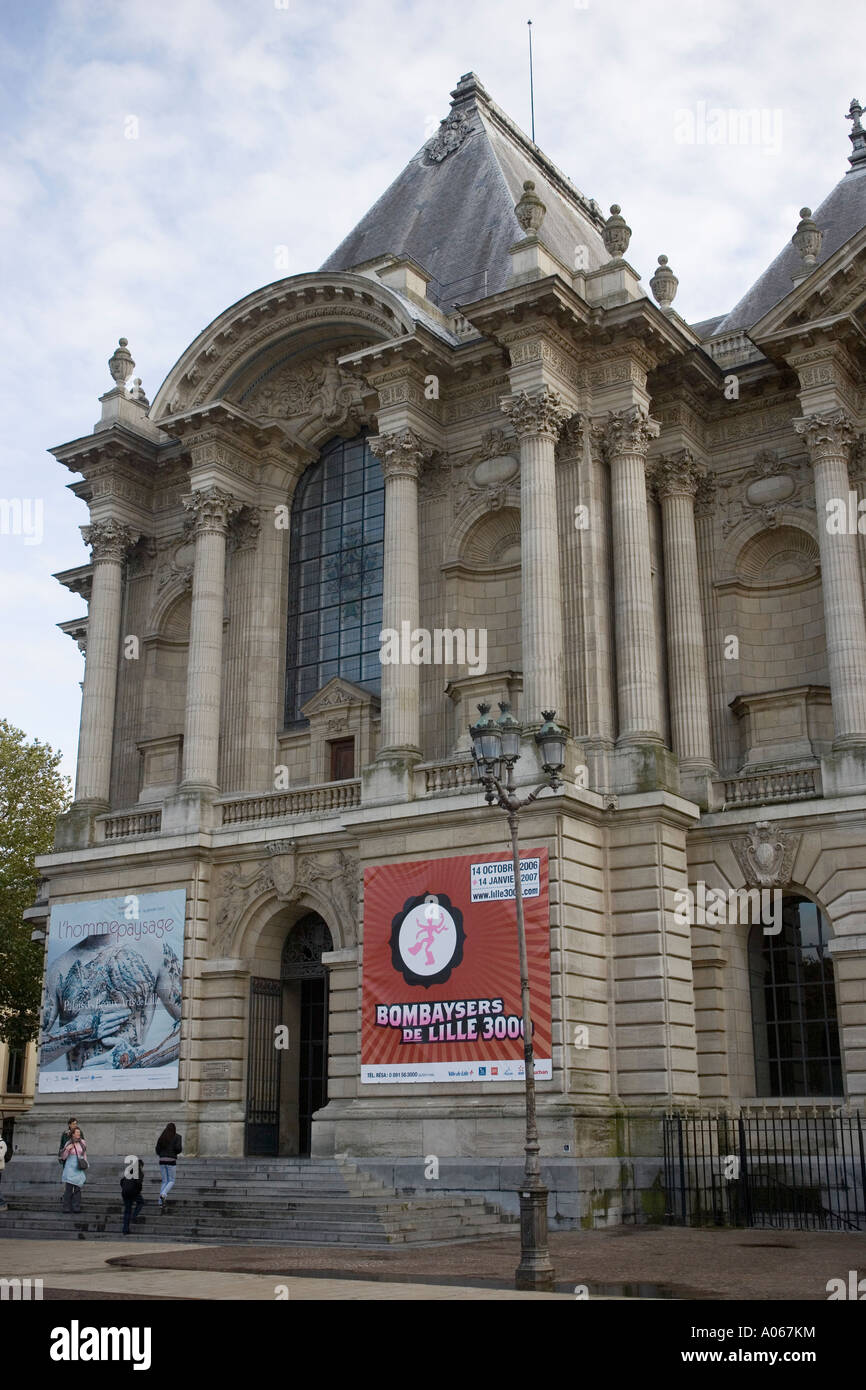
492,745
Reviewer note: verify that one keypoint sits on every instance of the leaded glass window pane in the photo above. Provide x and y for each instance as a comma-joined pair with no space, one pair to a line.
335,574
796,1032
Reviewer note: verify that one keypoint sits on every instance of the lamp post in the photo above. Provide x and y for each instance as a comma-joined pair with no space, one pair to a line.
495,743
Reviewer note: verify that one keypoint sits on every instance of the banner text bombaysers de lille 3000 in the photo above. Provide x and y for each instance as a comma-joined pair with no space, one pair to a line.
441,970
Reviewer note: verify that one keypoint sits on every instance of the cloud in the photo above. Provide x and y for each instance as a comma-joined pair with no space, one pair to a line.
260,125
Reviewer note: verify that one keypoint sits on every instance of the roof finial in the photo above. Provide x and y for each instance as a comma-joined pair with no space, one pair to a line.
531,84
807,239
530,210
138,392
120,363
857,134
616,233
664,284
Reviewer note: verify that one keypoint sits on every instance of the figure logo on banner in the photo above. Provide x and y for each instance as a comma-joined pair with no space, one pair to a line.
427,939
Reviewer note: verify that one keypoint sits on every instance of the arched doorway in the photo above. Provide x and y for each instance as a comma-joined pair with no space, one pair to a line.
794,1012
287,1072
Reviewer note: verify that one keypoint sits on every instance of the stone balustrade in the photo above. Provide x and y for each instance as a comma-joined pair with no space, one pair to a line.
761,788
128,825
457,775
299,801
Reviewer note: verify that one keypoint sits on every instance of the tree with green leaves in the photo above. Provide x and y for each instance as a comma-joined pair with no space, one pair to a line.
33,793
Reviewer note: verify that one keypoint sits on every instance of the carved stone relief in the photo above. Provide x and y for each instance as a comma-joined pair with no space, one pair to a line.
315,388
766,855
487,475
764,489
288,873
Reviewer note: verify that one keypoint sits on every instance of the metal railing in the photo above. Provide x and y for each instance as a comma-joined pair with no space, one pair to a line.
789,1170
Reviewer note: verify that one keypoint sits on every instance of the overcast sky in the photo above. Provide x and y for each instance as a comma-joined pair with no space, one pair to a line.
263,124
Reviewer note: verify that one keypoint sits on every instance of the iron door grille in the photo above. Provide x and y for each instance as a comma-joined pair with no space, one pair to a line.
313,1077
263,1068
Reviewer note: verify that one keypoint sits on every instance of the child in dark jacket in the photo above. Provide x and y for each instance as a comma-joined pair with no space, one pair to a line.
130,1190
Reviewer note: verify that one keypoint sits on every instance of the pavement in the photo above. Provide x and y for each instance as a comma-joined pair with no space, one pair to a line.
85,1269
645,1262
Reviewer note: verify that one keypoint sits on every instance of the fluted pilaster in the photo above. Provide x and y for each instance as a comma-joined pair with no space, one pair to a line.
626,441
676,478
109,541
829,436
240,671
212,509
537,422
402,456
722,722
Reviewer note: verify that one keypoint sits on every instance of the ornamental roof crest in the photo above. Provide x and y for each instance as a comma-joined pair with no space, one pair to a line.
453,130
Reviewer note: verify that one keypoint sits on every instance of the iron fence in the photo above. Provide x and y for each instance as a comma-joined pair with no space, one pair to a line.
794,1170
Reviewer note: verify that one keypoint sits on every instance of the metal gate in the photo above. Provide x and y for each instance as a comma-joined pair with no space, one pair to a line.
262,1131
302,967
790,1170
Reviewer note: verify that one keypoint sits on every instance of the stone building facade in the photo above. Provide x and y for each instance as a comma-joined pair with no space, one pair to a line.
634,511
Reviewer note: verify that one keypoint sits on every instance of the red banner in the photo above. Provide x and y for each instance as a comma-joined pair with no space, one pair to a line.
441,980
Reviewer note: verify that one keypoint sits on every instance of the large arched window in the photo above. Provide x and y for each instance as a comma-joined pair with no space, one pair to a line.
794,1005
335,573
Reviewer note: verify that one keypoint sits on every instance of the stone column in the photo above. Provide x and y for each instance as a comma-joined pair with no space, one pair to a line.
537,420
109,541
829,436
212,509
676,478
402,456
626,441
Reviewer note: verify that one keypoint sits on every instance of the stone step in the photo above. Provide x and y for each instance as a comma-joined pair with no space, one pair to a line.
445,1219
190,1201
241,1236
280,1201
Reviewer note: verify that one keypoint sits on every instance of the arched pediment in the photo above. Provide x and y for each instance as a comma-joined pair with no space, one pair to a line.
301,317
743,545
778,553
485,538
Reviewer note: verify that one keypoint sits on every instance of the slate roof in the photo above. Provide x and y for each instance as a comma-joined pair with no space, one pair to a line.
706,328
840,216
453,212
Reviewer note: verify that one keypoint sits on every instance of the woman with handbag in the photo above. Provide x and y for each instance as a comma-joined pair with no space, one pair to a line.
74,1175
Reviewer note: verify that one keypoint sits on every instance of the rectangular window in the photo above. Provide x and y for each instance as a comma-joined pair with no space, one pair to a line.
342,759
15,1072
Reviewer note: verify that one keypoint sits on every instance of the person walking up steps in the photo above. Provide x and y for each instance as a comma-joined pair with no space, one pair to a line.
168,1146
130,1190
74,1175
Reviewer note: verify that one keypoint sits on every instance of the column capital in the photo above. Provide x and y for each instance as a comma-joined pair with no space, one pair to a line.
705,497
212,509
543,413
857,462
109,539
629,432
573,434
677,474
402,455
244,529
828,433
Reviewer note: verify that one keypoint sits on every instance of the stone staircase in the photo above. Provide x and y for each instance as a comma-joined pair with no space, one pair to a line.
279,1201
